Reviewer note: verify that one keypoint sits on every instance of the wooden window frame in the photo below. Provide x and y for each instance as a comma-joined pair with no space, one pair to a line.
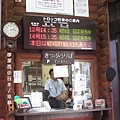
94,72
20,57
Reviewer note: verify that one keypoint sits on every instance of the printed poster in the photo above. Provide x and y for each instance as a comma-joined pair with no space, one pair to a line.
36,99
80,82
81,8
60,71
17,76
50,6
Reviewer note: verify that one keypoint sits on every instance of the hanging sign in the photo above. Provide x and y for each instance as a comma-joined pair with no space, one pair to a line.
58,57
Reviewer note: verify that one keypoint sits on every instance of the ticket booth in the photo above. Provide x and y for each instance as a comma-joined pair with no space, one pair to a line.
44,40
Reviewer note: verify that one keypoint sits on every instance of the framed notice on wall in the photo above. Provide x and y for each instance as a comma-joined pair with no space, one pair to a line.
46,32
50,6
81,8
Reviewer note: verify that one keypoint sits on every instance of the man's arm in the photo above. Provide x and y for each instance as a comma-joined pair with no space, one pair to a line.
64,89
64,95
46,86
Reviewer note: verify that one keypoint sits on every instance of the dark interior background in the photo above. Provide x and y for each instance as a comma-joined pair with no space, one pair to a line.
114,17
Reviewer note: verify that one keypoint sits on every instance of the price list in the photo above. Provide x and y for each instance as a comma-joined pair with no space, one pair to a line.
58,33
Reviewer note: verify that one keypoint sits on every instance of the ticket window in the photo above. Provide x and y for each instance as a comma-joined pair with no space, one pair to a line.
81,80
35,75
29,79
85,78
32,76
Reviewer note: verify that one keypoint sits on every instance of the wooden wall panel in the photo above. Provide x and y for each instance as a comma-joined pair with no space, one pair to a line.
100,4
2,65
103,27
2,103
17,18
92,2
93,9
93,16
21,4
105,94
104,86
103,35
103,44
3,93
102,19
104,52
3,112
2,73
101,11
103,78
103,69
2,84
104,60
19,11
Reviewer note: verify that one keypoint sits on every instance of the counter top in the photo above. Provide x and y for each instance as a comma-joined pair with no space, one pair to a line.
42,111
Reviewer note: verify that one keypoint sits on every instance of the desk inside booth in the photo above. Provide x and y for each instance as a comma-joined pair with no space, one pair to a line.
61,114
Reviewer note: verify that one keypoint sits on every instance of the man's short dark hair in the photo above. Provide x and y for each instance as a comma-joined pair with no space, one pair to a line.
51,70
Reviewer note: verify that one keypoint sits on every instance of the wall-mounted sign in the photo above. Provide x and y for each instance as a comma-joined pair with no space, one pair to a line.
60,71
9,81
50,6
17,76
41,32
58,57
81,8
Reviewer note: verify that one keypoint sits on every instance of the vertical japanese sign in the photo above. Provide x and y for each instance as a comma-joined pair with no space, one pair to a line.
9,82
81,8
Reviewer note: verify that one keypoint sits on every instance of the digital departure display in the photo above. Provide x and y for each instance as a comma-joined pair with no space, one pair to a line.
45,32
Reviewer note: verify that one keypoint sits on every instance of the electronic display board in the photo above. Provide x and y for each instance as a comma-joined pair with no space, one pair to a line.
50,32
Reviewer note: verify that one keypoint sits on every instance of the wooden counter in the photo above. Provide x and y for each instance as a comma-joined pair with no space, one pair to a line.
69,113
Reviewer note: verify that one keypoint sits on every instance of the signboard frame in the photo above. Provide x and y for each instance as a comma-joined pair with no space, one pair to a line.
58,57
51,32
53,7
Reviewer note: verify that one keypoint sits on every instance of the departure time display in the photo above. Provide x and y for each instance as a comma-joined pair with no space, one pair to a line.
41,32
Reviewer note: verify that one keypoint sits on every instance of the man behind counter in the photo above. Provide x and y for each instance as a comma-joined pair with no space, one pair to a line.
56,88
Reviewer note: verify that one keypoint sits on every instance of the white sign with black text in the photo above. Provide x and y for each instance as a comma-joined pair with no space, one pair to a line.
50,6
17,76
81,8
60,71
